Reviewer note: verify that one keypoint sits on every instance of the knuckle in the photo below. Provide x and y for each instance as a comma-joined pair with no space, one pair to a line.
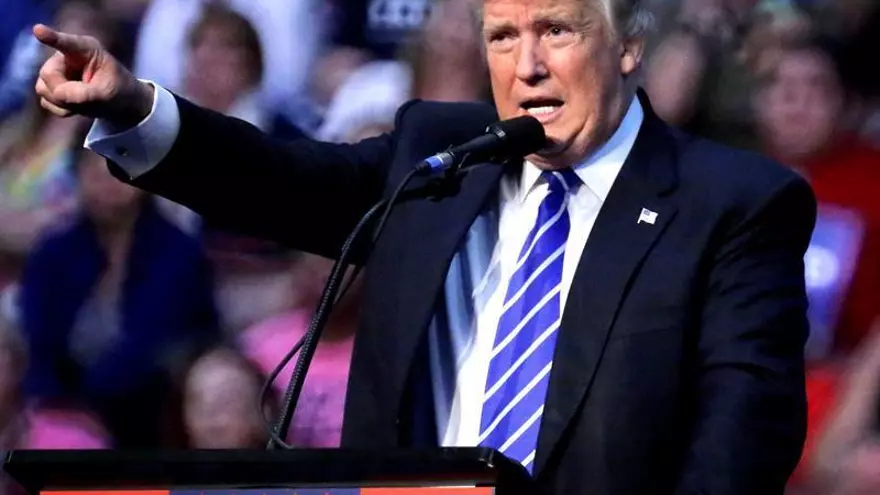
90,42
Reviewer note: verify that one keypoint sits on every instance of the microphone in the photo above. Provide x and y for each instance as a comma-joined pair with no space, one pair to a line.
515,137
506,139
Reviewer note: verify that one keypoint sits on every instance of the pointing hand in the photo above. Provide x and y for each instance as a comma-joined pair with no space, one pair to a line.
82,78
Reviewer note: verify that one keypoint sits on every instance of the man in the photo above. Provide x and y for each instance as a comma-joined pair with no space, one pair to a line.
674,334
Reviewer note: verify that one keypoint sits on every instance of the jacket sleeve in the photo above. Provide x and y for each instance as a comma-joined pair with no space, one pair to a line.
749,422
303,193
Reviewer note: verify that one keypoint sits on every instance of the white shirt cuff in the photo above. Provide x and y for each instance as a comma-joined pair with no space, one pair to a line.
142,147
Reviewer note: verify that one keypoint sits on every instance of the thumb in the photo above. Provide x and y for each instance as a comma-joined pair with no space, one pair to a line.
68,44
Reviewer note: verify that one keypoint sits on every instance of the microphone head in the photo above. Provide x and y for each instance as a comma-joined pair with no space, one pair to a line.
521,135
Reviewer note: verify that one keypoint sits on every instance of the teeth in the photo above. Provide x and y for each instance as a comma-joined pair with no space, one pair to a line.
542,110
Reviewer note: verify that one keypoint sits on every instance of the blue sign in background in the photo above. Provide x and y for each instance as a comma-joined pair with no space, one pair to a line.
829,265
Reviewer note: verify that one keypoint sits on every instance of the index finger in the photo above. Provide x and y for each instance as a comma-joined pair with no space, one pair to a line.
68,44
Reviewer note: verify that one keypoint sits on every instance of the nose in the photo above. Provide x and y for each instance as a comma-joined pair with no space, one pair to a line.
530,64
795,96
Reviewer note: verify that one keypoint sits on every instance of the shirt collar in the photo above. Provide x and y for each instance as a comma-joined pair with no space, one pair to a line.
599,170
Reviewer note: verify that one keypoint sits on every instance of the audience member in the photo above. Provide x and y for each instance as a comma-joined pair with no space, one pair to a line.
35,429
12,425
291,33
317,421
113,293
12,366
332,71
106,299
800,109
697,76
219,406
847,459
367,101
36,187
446,55
223,72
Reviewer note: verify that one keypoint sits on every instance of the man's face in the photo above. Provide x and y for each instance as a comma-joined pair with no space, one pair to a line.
561,62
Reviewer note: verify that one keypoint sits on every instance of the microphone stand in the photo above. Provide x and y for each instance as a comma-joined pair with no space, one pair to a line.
330,296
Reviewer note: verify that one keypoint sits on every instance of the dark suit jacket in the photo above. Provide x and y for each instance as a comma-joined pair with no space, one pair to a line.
679,366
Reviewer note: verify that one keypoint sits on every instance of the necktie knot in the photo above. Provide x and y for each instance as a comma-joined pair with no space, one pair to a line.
562,181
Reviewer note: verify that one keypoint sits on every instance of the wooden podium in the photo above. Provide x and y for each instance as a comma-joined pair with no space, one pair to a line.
444,471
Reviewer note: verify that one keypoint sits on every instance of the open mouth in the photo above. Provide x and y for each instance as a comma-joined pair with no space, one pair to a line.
543,109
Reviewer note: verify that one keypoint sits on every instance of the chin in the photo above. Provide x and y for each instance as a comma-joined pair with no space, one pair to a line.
552,158
555,144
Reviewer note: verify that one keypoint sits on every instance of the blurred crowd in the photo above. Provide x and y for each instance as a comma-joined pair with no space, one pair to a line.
128,321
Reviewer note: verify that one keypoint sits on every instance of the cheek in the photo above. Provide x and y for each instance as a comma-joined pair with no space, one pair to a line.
826,111
583,75
502,73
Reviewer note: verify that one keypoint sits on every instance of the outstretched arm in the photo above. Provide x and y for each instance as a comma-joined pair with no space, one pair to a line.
303,193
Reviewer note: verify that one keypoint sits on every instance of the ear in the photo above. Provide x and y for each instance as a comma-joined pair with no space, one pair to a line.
631,55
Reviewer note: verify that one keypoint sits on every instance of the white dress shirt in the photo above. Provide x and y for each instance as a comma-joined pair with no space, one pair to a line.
140,148
520,198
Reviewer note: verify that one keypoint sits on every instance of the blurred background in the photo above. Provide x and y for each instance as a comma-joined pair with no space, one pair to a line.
127,321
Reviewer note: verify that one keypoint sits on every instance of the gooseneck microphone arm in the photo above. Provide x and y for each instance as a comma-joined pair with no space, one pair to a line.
309,343
516,137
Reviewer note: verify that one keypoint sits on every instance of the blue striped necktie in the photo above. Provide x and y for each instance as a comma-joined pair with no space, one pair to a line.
519,368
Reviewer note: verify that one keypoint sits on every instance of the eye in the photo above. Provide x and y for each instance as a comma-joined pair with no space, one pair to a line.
557,30
498,36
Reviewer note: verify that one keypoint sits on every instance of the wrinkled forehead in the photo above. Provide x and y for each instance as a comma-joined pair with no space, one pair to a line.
520,12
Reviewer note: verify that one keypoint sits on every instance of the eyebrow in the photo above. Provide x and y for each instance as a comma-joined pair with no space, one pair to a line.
493,27
543,17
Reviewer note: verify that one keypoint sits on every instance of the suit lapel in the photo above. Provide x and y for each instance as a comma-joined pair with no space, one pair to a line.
436,236
616,247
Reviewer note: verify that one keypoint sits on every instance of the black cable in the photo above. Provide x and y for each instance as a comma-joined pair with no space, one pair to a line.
378,230
267,388
450,176
278,431
328,300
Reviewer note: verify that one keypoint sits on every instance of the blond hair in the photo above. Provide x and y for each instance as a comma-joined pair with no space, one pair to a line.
628,18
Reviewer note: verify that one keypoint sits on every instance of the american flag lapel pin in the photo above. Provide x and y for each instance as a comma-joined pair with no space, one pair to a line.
647,216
